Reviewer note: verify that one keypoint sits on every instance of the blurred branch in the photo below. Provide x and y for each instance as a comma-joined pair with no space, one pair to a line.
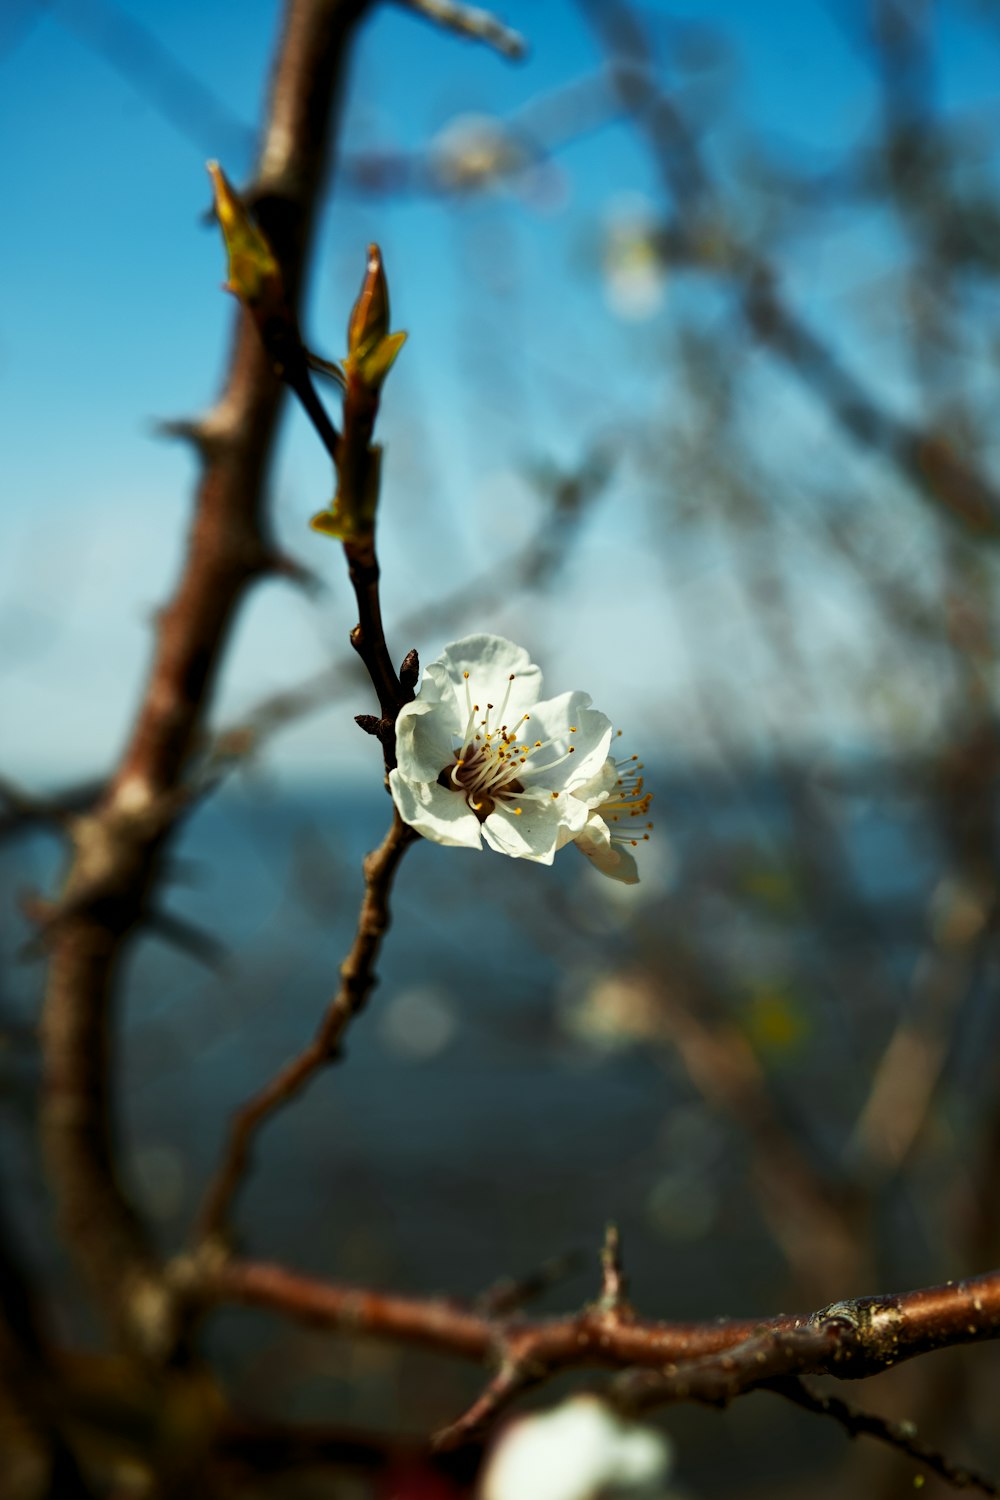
470,21
487,151
901,1436
815,1223
509,1294
20,810
118,849
531,568
700,235
357,978
128,46
909,1071
711,1362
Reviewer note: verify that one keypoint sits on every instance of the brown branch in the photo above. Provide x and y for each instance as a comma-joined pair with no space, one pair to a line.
710,1362
901,1436
520,1368
357,979
850,1339
368,637
514,1377
118,849
20,810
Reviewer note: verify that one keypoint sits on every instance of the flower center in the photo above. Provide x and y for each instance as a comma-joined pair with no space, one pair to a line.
627,800
493,763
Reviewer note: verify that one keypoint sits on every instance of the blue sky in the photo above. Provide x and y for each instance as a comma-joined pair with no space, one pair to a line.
113,318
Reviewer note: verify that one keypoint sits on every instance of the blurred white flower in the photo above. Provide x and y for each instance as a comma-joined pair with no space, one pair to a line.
577,1451
634,273
614,1011
475,151
469,767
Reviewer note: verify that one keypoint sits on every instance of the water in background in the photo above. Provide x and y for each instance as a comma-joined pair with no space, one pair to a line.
498,1102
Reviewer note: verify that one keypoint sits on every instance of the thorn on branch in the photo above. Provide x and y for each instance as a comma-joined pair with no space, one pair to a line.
188,430
613,1299
512,1293
282,565
188,938
19,809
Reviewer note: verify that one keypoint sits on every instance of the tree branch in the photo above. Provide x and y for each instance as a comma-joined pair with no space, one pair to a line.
472,22
709,1362
118,849
701,235
901,1436
357,979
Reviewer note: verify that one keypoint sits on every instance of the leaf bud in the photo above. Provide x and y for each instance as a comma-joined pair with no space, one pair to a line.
371,348
254,273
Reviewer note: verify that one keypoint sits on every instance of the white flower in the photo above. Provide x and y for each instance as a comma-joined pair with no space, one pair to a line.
577,1451
614,797
479,756
475,151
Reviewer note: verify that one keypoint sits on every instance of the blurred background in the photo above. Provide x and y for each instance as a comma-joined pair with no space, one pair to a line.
697,406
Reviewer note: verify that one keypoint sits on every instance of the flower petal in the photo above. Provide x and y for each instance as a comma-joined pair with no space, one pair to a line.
534,833
490,660
599,787
551,720
440,815
425,737
610,858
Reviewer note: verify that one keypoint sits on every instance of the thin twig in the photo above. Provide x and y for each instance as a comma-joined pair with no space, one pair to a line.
902,1436
926,461
470,21
357,979
513,1378
511,1293
530,569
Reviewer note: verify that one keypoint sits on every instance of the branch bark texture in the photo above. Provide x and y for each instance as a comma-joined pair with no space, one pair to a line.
711,1362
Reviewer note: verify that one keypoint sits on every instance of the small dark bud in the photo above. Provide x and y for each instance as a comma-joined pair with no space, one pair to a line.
370,723
409,671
